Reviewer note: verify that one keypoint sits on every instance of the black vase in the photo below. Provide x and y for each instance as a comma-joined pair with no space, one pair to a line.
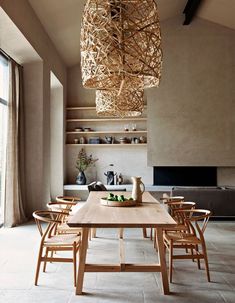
81,178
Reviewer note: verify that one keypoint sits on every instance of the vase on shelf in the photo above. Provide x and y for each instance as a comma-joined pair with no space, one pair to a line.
81,178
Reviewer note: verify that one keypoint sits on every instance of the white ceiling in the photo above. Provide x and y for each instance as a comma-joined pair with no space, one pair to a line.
61,20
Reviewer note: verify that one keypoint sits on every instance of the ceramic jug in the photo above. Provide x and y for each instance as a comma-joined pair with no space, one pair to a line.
137,191
110,177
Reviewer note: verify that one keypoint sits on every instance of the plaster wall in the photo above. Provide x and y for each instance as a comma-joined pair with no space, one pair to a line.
26,43
77,95
191,119
33,97
129,161
46,131
57,137
23,16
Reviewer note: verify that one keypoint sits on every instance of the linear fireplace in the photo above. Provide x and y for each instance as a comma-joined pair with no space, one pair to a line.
185,176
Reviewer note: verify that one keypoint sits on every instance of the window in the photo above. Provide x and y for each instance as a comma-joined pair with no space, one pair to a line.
4,84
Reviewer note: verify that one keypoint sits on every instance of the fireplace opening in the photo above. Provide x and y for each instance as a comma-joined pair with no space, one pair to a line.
185,176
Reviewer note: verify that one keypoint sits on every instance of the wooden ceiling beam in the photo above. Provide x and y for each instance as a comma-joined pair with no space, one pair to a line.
190,10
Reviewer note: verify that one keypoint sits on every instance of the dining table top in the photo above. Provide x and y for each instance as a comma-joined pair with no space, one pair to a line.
150,213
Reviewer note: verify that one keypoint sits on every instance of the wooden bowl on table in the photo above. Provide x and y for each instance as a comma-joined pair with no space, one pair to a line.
127,203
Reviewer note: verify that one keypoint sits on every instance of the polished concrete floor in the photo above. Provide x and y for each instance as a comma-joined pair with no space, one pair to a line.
18,253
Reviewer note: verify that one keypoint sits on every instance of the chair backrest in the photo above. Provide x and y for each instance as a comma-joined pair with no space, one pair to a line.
60,206
53,218
68,199
174,206
63,203
168,199
63,207
196,220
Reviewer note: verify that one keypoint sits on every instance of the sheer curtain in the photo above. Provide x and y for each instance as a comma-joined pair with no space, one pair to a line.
14,171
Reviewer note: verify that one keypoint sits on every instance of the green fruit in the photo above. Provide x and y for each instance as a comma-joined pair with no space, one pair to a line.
121,198
110,197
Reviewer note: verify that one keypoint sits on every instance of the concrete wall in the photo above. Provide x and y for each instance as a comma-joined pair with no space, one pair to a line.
129,161
27,22
27,43
33,88
77,95
57,137
191,115
191,119
46,131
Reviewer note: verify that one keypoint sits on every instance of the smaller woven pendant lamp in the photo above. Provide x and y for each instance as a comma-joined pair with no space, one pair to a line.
120,41
129,103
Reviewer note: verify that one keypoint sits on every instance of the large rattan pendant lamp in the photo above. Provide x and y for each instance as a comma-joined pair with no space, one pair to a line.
129,103
120,42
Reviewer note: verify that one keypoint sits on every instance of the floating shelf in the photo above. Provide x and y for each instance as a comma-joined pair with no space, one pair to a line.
86,107
148,187
108,145
81,108
108,132
106,119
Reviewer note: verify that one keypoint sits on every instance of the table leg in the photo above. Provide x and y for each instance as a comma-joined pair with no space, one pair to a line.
162,261
82,260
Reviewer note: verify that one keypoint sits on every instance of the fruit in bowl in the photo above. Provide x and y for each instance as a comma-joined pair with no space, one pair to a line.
117,201
121,198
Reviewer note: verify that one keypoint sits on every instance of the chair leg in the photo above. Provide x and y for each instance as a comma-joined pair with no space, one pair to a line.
155,240
206,261
90,231
38,264
170,261
144,232
191,249
198,260
45,262
151,234
94,232
74,263
121,233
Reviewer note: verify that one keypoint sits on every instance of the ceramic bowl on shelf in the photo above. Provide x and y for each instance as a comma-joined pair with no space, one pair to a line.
123,140
79,129
87,129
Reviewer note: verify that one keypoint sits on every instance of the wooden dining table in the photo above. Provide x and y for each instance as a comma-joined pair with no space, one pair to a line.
149,214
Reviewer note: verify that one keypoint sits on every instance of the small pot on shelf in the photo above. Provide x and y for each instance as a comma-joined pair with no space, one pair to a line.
81,178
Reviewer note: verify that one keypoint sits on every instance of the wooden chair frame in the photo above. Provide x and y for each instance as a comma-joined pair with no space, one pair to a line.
66,203
172,208
168,199
68,199
51,242
196,221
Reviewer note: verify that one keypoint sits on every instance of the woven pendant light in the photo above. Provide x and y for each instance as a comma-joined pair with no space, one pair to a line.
120,42
129,103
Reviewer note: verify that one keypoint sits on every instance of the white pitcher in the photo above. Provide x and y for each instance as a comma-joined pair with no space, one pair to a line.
137,192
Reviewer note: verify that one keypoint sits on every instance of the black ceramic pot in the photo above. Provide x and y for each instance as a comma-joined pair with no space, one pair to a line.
81,178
